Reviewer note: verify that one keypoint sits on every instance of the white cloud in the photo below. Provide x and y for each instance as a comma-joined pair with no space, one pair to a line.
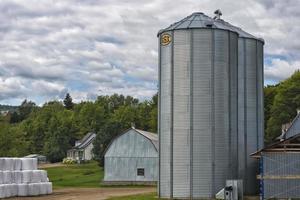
280,69
100,47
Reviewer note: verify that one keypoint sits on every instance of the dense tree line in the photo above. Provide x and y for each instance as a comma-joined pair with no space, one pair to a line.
281,102
54,127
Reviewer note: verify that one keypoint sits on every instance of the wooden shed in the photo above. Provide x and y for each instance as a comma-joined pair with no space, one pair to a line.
132,158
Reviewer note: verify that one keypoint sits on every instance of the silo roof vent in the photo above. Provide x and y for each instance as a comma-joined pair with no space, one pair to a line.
218,14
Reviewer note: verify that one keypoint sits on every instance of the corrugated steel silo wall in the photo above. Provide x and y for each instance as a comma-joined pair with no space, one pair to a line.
165,117
181,116
250,112
204,105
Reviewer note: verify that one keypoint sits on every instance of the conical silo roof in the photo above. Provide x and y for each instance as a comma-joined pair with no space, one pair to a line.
200,20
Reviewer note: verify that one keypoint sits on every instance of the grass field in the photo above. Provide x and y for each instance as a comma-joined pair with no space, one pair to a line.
150,196
83,176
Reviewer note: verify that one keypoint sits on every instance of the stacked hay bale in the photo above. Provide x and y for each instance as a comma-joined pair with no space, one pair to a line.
20,177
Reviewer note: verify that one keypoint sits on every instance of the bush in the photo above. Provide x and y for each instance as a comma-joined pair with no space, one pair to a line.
69,161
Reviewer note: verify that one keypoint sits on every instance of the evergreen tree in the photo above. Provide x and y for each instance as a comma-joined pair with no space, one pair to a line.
68,103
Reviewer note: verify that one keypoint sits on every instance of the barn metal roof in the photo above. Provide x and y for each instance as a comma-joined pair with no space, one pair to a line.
151,136
200,20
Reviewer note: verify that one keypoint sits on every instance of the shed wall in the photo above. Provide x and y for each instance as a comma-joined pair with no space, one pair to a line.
126,154
281,164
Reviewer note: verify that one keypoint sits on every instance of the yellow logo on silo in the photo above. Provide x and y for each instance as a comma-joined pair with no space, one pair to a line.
166,39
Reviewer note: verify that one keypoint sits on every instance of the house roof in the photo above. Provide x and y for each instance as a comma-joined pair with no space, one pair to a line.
291,144
293,124
85,141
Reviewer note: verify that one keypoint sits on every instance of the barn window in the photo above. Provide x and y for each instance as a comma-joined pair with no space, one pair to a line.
141,172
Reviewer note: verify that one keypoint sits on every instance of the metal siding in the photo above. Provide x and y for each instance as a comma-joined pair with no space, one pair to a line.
127,153
241,109
250,110
260,94
233,56
281,164
221,123
202,53
181,150
165,120
251,106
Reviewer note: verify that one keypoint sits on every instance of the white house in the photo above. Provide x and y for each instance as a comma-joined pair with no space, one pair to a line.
82,151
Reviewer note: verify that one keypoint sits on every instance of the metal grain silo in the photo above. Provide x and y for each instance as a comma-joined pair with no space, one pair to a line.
250,107
198,60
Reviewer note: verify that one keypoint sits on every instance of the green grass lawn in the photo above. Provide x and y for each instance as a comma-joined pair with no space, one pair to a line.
137,197
84,175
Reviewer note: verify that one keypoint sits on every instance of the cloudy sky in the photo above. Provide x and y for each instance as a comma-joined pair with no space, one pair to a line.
96,47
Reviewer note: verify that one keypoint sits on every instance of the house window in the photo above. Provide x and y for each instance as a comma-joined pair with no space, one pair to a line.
141,172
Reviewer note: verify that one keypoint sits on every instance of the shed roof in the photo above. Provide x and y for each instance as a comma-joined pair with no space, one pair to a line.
291,144
150,136
200,20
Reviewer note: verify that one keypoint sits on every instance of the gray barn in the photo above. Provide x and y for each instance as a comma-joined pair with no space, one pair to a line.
132,158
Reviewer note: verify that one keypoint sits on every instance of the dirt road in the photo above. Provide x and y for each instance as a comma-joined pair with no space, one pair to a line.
89,193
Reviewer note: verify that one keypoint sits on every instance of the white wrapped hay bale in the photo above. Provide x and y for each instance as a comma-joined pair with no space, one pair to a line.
34,189
7,177
29,163
44,188
23,190
13,189
1,178
49,187
8,164
26,176
17,164
10,190
18,177
2,191
44,176
36,176
6,191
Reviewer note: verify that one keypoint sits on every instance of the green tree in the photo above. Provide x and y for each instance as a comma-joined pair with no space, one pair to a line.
285,104
104,138
68,102
270,92
25,109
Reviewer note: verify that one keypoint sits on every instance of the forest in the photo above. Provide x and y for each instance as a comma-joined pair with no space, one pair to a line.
53,128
